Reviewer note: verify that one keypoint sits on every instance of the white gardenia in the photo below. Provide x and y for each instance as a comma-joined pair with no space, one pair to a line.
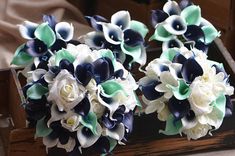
198,131
65,92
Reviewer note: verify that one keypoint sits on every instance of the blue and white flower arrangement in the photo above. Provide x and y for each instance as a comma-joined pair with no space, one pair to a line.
76,97
188,91
182,24
123,36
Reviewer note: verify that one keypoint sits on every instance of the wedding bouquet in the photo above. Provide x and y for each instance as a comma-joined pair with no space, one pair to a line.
76,97
179,25
123,36
188,91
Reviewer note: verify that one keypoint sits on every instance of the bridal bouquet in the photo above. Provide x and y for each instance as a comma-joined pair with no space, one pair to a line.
179,25
76,97
123,36
188,91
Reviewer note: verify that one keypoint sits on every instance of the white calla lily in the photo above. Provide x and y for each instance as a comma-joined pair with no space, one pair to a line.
64,31
121,19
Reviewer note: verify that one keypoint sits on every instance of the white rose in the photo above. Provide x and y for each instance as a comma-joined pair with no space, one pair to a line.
96,106
201,97
65,92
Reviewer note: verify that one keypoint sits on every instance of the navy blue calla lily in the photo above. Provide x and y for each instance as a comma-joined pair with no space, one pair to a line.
194,33
84,73
149,90
102,145
103,69
132,38
185,3
61,133
92,20
83,107
58,45
51,20
190,70
202,46
158,16
65,64
179,58
179,108
128,121
37,109
229,106
36,48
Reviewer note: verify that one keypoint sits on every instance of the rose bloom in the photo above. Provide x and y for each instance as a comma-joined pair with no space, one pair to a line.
65,92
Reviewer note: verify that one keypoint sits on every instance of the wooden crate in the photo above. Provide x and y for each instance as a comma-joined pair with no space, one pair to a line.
144,140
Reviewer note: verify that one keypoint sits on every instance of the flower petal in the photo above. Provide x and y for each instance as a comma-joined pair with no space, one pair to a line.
169,54
190,70
132,38
172,127
192,15
50,19
173,43
210,33
95,21
194,33
27,29
175,25
121,19
139,27
112,33
86,138
36,48
116,133
189,121
172,8
45,34
179,108
181,92
64,31
161,34
83,107
69,146
94,39
158,16
184,4
147,87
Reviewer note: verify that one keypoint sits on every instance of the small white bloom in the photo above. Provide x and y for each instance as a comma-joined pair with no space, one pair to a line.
197,131
201,97
71,122
96,106
65,92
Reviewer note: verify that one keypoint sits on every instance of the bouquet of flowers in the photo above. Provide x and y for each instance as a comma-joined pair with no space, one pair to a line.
123,36
76,97
179,25
188,91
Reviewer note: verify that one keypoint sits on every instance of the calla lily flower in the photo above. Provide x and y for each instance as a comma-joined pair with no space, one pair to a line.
183,21
27,30
125,37
64,31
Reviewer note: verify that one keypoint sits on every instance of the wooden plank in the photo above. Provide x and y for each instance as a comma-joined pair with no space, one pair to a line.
16,110
22,143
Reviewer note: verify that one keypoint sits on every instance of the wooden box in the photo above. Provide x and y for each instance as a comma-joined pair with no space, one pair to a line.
144,140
